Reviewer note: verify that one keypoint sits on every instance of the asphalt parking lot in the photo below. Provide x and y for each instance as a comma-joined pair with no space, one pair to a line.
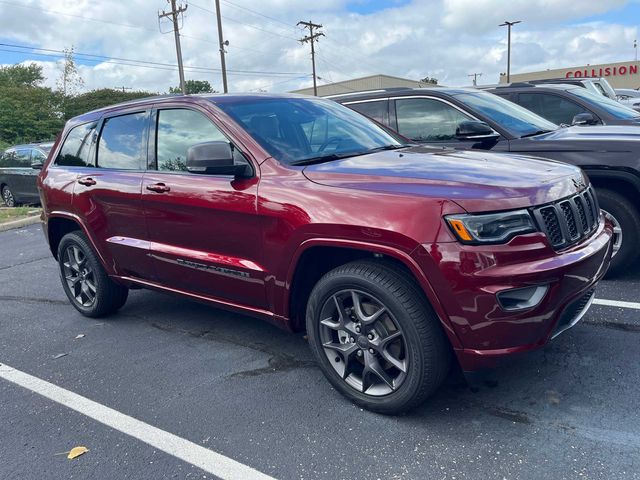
246,390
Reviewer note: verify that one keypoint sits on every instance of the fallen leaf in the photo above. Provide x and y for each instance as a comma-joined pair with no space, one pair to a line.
60,355
76,452
80,336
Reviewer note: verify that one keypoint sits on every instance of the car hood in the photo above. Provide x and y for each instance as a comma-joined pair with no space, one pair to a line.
609,137
477,181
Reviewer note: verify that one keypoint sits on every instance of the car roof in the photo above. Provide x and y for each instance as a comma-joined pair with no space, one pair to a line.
537,86
219,98
43,144
400,92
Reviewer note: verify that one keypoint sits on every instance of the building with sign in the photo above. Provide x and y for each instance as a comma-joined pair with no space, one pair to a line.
619,75
373,82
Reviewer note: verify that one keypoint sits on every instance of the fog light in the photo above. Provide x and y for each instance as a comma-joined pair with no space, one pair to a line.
521,298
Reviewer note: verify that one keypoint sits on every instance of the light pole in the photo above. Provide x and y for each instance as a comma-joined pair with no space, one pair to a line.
509,25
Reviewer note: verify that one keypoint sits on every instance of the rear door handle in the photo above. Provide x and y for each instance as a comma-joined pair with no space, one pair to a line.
158,188
87,182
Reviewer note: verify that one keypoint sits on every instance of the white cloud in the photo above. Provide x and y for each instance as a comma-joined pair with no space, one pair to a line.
447,39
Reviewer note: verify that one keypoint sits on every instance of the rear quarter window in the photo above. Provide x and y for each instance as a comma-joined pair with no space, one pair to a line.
75,151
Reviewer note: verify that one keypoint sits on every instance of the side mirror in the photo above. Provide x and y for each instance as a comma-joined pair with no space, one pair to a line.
215,158
585,118
37,165
475,131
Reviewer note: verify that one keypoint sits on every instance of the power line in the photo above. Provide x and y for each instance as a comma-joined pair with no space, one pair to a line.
257,13
141,63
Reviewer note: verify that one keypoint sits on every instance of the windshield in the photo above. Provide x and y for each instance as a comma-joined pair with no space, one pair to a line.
295,130
517,120
611,106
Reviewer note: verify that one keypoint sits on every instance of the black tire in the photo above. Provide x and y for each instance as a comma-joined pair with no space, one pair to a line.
8,198
108,296
425,349
626,215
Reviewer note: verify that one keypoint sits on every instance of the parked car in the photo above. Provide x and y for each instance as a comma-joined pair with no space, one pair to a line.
19,168
629,97
304,213
596,85
568,105
472,119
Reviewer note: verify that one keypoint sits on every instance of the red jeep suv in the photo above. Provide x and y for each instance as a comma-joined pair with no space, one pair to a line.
395,258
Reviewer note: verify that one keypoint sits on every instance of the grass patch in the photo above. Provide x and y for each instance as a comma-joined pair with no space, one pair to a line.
11,214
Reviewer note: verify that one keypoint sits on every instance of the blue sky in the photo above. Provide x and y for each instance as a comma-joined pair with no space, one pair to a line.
446,39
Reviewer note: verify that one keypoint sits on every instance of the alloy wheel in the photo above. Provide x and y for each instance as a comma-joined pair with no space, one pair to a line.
79,276
363,342
617,232
7,197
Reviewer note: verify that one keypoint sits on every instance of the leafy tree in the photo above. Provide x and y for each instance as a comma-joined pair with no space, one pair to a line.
27,75
70,81
99,98
429,80
194,86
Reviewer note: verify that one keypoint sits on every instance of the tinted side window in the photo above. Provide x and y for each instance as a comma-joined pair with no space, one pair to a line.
554,108
123,142
8,159
427,120
179,129
378,110
37,156
76,147
23,158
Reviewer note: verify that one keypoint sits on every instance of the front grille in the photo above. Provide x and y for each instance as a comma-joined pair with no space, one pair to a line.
570,220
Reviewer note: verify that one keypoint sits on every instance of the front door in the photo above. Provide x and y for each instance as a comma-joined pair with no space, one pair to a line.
204,231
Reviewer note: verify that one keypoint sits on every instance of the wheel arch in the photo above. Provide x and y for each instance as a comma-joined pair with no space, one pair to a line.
623,182
315,257
59,224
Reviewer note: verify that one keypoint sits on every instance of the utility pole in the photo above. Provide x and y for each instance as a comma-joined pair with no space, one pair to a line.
312,38
176,31
635,46
222,45
475,78
509,25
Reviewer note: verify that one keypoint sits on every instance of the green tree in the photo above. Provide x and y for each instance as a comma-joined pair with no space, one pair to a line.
27,75
429,80
194,86
28,111
69,82
99,98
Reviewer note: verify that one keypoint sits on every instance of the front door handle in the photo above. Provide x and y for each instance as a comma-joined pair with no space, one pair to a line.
158,188
87,182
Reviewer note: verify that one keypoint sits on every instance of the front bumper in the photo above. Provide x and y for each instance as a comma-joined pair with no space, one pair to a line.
466,280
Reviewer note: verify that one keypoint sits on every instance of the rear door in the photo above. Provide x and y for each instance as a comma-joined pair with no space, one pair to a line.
204,231
21,175
429,120
108,197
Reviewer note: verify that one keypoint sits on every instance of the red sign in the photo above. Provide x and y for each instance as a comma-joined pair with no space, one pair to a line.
604,72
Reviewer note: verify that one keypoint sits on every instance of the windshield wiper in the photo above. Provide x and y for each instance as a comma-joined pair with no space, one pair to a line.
325,158
387,147
537,132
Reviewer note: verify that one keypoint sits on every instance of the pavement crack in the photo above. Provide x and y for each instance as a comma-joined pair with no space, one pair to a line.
7,267
625,327
511,415
277,363
9,298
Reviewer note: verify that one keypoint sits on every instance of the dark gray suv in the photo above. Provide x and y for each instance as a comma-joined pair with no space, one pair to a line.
19,168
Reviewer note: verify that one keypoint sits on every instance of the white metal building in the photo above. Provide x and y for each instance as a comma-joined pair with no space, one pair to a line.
373,82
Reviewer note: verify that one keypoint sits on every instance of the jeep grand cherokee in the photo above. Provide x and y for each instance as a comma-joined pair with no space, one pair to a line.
307,214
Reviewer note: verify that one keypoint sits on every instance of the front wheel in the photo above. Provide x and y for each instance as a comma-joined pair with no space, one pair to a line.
626,235
86,283
376,338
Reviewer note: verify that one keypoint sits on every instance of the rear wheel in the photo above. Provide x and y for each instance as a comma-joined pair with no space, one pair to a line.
87,285
626,222
375,337
8,197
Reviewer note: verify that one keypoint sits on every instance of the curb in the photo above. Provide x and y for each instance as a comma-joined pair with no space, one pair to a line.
23,222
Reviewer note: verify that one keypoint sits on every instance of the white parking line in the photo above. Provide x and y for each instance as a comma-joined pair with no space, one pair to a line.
617,303
208,460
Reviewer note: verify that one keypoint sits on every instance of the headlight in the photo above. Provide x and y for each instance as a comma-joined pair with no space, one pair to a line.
490,228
